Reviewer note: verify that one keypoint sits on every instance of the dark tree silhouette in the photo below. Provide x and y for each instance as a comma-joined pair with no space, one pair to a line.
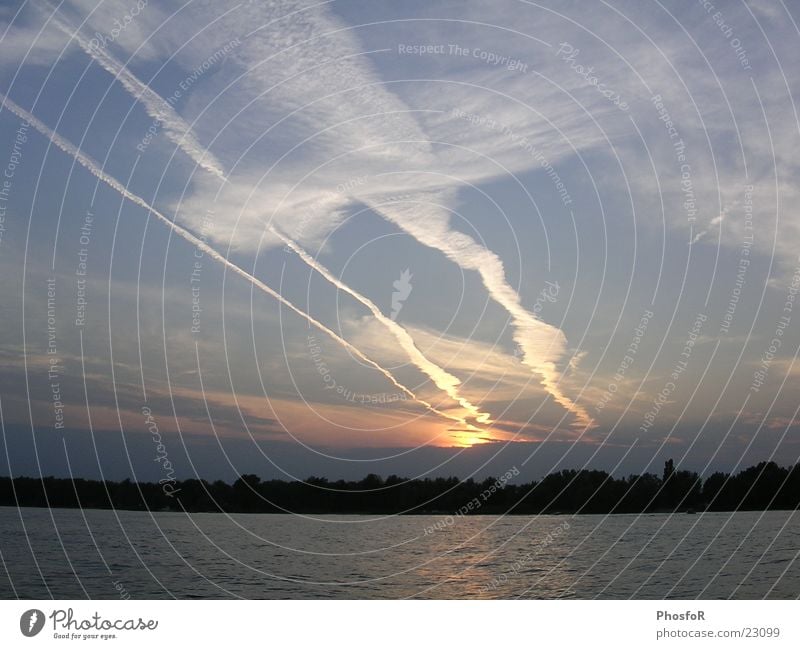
761,487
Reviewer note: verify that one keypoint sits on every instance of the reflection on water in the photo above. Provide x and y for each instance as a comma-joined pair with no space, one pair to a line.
104,554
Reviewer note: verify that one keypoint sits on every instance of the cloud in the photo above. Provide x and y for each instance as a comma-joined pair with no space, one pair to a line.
717,220
440,377
36,45
174,126
315,71
491,376
94,168
542,345
323,121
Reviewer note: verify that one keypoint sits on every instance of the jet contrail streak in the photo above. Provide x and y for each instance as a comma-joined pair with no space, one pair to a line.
441,378
539,341
175,127
94,168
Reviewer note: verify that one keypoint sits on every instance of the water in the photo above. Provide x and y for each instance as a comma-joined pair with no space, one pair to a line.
106,554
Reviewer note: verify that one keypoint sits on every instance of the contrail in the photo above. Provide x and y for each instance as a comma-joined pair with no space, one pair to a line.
441,378
94,168
175,127
537,340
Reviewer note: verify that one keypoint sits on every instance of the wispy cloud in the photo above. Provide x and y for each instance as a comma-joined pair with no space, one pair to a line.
325,118
440,377
542,345
174,126
316,62
717,220
94,168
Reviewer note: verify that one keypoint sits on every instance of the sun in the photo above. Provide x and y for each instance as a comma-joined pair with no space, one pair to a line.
469,437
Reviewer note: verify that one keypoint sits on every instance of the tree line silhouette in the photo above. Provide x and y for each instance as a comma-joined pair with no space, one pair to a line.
761,487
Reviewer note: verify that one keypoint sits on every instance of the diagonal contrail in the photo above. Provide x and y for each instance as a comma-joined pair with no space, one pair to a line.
94,168
541,343
175,127
441,378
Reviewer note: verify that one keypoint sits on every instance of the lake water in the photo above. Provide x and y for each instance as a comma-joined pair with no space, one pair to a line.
106,554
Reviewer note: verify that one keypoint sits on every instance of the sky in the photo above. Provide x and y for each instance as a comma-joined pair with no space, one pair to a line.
427,238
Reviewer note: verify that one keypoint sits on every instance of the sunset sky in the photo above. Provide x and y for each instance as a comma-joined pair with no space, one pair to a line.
296,238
